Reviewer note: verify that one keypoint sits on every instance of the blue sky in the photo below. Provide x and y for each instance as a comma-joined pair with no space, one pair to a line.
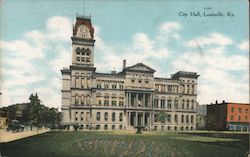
35,44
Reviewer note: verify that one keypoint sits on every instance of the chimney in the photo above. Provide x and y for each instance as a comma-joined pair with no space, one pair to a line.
124,63
216,102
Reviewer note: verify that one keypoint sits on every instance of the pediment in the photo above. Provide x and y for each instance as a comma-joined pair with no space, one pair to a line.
140,67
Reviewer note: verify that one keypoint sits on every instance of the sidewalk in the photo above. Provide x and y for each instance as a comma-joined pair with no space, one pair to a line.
10,136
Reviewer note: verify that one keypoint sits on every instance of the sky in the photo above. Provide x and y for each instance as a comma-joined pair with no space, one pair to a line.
35,44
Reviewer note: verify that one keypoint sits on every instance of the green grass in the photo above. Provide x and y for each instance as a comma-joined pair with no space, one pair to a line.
121,144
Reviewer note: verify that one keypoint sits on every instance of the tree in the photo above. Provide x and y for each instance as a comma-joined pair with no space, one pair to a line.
162,118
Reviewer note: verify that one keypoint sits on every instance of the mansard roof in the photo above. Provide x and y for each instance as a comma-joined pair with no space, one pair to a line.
140,67
185,74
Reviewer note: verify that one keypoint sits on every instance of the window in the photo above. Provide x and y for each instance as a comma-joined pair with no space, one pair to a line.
113,102
139,81
192,104
187,104
183,104
82,101
162,103
77,99
176,104
156,103
169,118
97,127
232,109
100,102
106,100
146,81
106,116
192,90
192,119
182,118
156,117
132,81
121,102
176,118
121,117
88,100
121,86
240,110
106,85
82,82
175,128
113,127
245,117
105,127
120,127
99,85
187,119
113,116
232,118
78,59
239,118
246,111
98,116
113,86
169,103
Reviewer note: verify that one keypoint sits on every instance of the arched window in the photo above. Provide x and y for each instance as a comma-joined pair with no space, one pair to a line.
192,119
182,118
187,119
187,104
176,103
82,99
183,104
113,100
121,100
113,116
169,103
77,99
106,100
192,104
99,99
88,100
176,118
156,102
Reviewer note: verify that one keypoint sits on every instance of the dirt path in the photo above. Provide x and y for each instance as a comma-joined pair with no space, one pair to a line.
9,136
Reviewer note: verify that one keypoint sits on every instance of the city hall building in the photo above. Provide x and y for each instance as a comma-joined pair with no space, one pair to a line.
126,99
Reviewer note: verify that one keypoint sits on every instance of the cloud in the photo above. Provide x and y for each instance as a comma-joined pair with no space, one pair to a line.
60,28
244,45
223,72
169,27
31,63
212,39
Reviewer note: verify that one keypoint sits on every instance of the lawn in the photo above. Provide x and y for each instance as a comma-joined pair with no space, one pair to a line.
121,144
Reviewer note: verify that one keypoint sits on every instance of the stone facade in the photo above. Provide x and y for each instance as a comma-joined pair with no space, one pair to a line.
123,100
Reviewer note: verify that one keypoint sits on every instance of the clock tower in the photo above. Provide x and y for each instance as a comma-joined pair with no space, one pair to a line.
83,42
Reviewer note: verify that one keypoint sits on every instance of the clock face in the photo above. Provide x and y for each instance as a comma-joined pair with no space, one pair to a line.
83,32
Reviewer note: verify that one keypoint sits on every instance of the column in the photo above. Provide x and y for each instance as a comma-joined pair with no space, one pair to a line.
143,119
126,100
149,120
129,99
153,118
136,100
128,118
149,101
143,100
136,119
159,103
